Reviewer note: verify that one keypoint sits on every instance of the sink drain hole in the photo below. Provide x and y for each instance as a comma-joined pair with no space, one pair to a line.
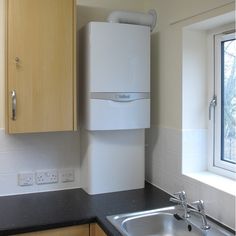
189,228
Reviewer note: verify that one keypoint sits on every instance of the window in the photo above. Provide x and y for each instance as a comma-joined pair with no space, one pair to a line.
222,110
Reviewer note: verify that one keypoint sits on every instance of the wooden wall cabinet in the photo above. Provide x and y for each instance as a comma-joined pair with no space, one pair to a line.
40,65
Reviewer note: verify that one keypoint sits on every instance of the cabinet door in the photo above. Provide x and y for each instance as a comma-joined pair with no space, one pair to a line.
82,230
95,230
40,65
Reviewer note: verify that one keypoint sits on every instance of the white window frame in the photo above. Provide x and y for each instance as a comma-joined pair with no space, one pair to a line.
215,164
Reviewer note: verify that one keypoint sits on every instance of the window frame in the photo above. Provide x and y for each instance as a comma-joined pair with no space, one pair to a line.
215,164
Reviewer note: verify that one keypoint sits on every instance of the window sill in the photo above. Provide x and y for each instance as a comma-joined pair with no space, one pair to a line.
216,181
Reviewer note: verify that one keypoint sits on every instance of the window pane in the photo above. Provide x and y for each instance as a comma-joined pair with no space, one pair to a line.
228,103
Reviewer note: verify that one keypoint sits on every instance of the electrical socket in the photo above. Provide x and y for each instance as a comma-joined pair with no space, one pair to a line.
46,176
26,179
67,175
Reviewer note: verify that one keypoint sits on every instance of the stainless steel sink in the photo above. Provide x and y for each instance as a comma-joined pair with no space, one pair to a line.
163,222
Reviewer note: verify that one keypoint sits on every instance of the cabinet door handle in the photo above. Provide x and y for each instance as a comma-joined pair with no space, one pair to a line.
13,100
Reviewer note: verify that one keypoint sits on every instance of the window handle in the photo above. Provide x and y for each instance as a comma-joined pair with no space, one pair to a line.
213,104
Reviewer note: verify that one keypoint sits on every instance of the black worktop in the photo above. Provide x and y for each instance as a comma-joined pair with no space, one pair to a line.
48,210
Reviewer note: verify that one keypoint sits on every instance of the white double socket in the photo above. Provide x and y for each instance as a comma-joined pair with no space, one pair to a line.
46,176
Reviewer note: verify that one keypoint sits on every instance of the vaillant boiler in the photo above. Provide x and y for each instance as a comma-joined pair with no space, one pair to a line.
115,105
117,83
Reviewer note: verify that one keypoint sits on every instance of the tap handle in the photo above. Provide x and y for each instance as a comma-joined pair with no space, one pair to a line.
175,200
181,195
199,204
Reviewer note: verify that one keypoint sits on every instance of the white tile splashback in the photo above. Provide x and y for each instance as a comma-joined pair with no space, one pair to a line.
163,169
31,152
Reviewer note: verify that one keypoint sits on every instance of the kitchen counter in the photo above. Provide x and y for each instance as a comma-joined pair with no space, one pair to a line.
41,211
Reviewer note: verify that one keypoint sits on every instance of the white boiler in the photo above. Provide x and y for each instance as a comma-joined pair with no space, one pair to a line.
117,76
114,103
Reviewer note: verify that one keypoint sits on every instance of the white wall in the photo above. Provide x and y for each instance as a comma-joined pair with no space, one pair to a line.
194,80
24,152
31,152
98,10
167,135
167,54
164,159
133,5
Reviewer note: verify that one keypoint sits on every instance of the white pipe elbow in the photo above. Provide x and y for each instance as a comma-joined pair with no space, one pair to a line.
136,18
